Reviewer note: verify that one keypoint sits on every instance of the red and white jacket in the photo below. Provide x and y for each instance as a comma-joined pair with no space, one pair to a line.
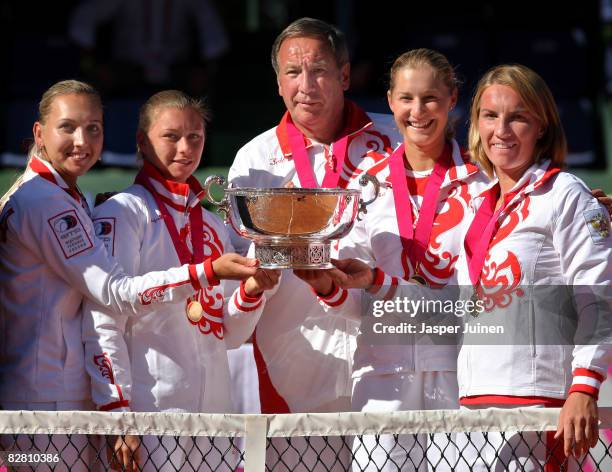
164,361
552,232
376,240
304,357
51,259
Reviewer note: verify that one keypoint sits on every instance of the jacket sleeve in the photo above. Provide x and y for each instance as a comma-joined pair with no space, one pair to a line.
240,311
62,235
107,358
581,237
347,302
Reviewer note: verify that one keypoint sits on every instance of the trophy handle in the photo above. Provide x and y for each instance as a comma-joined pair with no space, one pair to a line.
364,181
223,204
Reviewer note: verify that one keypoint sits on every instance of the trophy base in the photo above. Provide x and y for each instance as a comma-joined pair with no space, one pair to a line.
296,256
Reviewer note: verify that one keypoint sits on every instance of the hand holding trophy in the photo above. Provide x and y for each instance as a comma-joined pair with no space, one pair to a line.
292,228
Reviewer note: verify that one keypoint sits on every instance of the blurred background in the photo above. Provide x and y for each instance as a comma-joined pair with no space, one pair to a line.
220,50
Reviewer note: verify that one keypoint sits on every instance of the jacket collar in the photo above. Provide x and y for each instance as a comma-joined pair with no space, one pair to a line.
356,120
45,170
178,195
460,169
532,179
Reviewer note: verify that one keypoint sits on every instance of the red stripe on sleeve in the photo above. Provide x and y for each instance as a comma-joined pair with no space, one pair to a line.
211,277
193,277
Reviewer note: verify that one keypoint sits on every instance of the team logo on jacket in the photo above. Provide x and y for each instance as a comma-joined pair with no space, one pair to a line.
598,224
105,230
65,223
157,294
70,233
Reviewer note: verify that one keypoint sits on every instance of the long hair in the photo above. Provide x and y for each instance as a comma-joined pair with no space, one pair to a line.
539,101
64,87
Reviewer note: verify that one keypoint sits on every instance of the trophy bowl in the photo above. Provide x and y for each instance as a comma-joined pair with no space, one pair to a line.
292,228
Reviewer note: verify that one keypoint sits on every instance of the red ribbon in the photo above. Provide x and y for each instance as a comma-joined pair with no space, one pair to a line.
416,240
195,221
302,164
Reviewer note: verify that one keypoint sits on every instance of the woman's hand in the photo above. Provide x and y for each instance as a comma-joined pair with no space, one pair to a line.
264,279
318,279
578,424
235,267
351,273
124,453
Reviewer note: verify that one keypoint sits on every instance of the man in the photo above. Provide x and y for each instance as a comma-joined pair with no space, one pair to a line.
304,355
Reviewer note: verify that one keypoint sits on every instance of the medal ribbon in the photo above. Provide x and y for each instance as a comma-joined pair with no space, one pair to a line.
480,233
195,221
484,225
302,164
416,240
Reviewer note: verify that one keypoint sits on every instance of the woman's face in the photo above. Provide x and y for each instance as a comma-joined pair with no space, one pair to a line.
174,142
71,138
508,131
420,103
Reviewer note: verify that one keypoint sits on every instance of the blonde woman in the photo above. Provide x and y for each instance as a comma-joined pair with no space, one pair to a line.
537,254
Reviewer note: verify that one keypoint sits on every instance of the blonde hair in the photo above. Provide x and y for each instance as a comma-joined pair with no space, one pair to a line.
168,99
64,87
538,99
442,69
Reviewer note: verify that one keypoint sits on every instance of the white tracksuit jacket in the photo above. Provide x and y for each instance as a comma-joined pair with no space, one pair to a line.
304,357
375,240
163,361
50,259
552,233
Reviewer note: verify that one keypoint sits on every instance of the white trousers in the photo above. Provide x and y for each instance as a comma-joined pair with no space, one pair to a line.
399,392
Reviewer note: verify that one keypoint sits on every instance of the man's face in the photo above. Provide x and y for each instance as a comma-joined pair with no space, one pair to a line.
311,83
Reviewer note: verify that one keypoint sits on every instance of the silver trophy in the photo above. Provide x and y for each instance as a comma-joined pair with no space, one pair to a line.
292,228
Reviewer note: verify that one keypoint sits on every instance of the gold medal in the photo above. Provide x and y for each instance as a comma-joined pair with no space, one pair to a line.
194,311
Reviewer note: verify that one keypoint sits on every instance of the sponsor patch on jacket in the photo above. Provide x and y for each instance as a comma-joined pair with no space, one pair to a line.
105,230
598,224
70,233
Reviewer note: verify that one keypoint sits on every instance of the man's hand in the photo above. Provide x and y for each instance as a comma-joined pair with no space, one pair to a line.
123,452
578,424
264,279
351,273
234,267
